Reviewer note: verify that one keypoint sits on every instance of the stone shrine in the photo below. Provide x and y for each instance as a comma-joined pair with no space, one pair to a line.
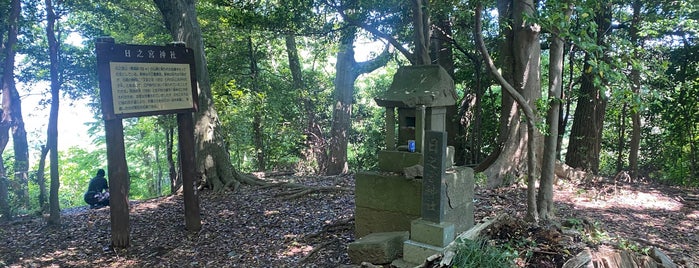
395,212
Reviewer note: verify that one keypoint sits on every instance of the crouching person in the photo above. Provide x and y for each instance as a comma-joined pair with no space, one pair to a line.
97,194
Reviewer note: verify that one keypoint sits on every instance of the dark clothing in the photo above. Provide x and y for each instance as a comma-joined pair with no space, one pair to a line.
94,195
98,184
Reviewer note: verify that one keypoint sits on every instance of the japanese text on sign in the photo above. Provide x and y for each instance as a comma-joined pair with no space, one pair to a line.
138,87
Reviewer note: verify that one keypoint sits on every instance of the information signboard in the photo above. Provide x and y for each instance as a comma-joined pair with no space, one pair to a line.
138,80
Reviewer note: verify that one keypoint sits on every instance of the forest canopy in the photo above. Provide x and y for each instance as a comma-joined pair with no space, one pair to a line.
289,92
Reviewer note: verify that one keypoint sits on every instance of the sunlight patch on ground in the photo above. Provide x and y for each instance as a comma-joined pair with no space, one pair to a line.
225,212
144,207
691,223
271,212
628,199
295,249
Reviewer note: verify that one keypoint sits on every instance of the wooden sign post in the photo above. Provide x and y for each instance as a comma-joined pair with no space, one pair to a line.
137,80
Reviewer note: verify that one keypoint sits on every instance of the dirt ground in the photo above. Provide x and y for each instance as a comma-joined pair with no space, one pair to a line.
262,227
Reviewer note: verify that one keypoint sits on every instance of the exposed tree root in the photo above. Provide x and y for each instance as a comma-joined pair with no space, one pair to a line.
316,249
341,224
650,243
295,190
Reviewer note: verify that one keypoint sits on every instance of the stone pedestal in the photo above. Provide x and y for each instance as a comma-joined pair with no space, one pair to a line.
436,234
388,202
426,239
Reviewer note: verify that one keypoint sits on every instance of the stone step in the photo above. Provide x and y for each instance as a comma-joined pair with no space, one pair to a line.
377,248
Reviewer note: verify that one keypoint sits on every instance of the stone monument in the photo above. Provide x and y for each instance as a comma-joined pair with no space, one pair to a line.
430,234
391,207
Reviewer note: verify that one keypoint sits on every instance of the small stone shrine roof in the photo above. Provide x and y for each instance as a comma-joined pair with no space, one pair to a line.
428,85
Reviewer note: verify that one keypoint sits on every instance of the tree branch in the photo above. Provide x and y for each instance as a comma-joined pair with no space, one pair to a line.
375,63
373,30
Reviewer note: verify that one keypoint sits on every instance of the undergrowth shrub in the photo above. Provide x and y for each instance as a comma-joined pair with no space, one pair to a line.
480,254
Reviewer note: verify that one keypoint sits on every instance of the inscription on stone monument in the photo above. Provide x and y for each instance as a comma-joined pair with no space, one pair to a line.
433,176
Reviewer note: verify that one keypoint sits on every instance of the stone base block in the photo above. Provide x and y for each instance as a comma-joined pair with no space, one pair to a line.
396,161
385,202
377,248
435,234
416,252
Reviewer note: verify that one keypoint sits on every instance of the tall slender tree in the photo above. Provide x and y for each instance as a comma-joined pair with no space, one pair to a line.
635,77
52,132
544,198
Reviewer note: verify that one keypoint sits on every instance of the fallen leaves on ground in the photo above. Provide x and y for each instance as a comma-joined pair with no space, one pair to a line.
631,216
257,227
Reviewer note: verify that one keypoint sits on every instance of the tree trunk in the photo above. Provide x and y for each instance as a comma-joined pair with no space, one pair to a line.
586,133
52,133
5,209
212,157
21,151
158,178
315,141
519,65
8,90
345,76
346,72
175,179
635,76
421,31
544,198
444,56
621,139
526,77
257,126
564,112
41,179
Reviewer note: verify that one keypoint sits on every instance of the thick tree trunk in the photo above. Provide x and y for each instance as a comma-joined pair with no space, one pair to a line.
544,198
586,133
527,52
347,71
8,90
527,82
21,151
212,157
442,54
52,133
519,65
421,31
345,76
